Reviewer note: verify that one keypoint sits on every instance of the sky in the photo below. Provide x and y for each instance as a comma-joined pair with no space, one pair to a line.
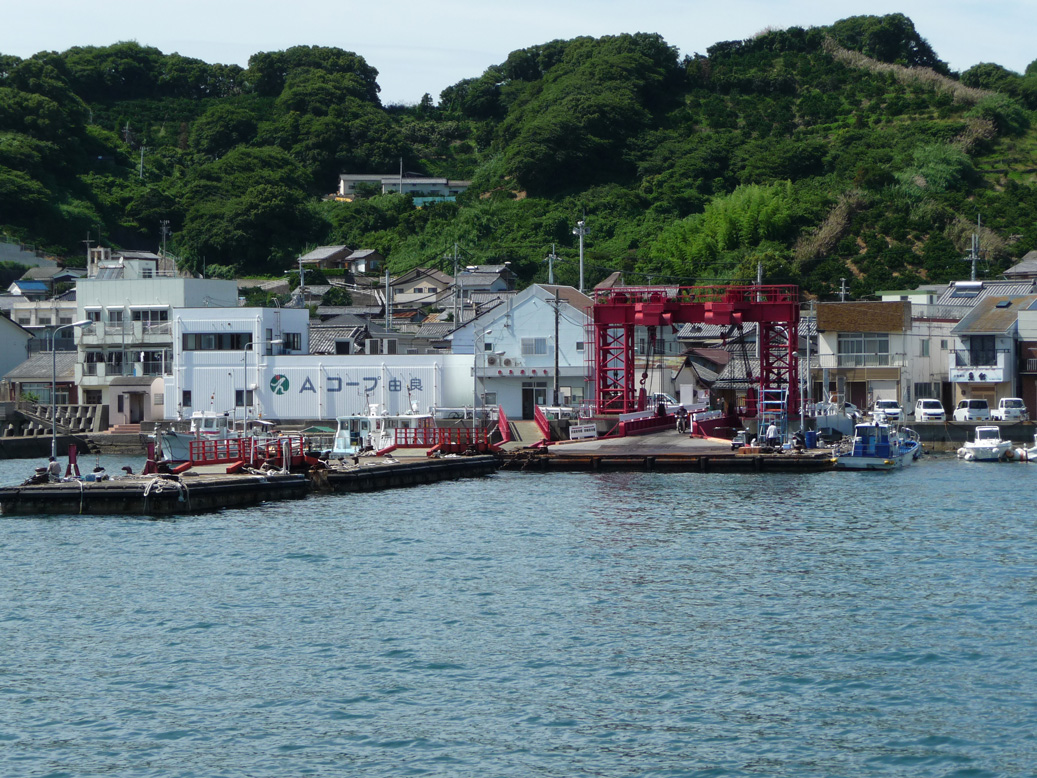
424,46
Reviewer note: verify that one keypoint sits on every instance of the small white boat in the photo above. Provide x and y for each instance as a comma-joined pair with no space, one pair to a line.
877,446
987,446
1028,454
376,431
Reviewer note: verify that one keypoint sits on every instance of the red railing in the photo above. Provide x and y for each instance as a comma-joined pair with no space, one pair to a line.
503,425
215,451
542,423
427,437
650,424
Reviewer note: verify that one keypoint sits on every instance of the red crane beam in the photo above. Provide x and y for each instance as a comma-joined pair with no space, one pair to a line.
617,311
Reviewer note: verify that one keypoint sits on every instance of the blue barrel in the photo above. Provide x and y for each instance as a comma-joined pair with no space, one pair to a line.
811,438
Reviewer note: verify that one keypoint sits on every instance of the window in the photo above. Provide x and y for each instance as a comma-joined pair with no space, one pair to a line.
91,396
579,345
534,346
186,398
151,315
292,341
115,315
121,403
24,321
216,341
93,315
43,321
489,398
487,347
242,398
64,320
924,390
923,348
943,345
159,398
863,349
981,350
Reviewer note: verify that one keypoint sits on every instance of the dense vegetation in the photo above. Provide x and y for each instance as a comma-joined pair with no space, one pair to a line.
842,152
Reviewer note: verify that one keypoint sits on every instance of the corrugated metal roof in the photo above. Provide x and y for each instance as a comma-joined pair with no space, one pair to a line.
967,295
40,367
323,252
992,316
323,338
570,294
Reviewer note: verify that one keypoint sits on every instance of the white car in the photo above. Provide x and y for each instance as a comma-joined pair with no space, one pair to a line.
887,411
1010,409
972,410
929,410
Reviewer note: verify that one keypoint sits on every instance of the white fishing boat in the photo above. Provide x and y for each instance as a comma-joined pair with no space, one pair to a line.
216,438
175,445
1028,454
877,446
376,430
987,446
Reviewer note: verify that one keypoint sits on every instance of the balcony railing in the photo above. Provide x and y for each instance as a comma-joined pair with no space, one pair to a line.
977,359
851,361
147,368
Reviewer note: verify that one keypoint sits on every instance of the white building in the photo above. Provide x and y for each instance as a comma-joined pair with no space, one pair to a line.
129,342
514,350
221,355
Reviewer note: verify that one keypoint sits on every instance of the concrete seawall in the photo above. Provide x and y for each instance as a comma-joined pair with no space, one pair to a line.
948,436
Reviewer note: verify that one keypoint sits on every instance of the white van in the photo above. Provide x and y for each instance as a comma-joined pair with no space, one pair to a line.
1010,409
972,410
929,410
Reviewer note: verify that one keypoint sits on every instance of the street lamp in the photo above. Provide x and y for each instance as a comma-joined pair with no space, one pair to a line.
475,373
244,395
54,383
581,230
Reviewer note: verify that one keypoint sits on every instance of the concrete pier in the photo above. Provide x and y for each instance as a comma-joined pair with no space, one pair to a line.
211,488
156,495
369,476
663,451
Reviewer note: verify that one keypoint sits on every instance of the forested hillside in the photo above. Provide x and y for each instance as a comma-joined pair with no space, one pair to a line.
849,151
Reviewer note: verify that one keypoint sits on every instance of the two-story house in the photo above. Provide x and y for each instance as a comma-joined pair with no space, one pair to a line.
528,349
862,350
985,364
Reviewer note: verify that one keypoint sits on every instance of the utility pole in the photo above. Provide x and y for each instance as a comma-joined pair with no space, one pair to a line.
141,173
164,227
88,241
551,265
558,306
842,290
973,256
581,230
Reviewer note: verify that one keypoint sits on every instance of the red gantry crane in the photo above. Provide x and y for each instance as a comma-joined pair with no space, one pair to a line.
617,311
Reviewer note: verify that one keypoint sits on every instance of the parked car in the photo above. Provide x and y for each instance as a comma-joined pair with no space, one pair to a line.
972,410
887,411
1010,409
929,410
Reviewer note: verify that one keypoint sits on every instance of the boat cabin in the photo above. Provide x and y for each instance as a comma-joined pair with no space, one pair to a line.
375,430
871,440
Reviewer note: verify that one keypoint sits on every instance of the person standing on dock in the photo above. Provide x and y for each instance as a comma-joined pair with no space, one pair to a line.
773,440
54,469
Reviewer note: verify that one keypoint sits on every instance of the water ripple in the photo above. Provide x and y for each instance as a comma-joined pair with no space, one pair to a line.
536,625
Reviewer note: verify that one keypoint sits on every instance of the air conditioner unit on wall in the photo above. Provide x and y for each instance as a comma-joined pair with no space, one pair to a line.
491,360
507,363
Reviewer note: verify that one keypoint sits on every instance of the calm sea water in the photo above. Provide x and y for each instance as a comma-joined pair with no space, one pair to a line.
839,624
